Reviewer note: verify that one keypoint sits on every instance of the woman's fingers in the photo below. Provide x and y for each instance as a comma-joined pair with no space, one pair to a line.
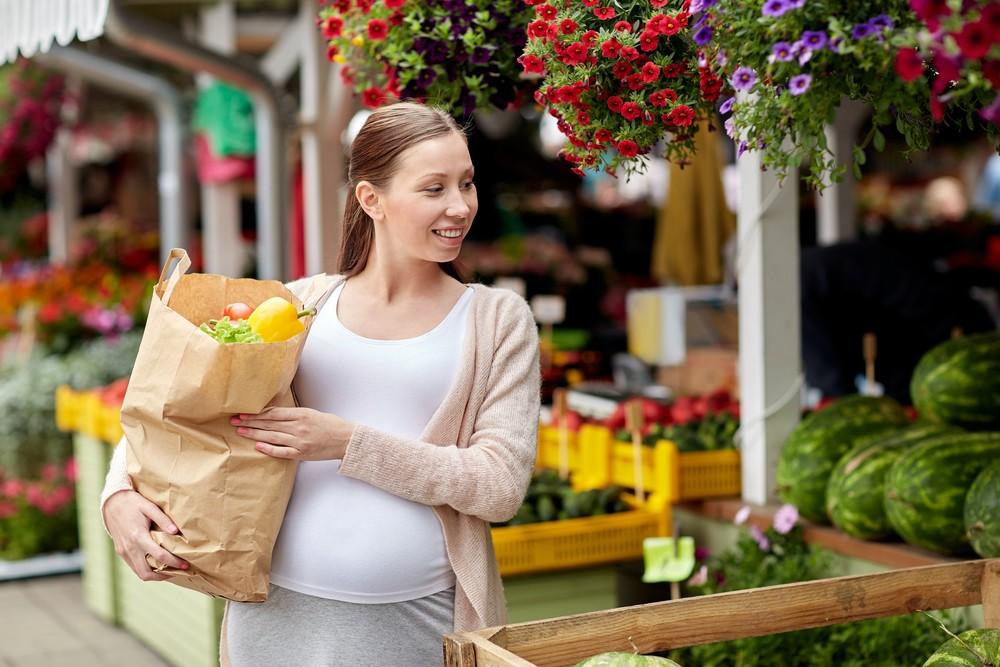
161,555
277,452
275,437
157,516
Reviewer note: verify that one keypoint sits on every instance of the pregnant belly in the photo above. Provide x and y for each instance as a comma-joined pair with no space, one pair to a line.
347,540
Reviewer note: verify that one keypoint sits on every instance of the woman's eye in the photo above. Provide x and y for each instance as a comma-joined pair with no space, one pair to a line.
434,190
468,185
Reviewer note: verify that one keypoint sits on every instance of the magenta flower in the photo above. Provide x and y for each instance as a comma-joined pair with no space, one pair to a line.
775,8
781,51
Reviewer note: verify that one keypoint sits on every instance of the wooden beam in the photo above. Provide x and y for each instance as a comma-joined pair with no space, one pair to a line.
284,56
666,625
991,594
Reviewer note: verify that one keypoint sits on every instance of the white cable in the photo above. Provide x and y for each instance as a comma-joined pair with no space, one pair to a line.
750,228
770,411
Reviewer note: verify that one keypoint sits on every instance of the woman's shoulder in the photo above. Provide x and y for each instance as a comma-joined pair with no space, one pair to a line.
501,306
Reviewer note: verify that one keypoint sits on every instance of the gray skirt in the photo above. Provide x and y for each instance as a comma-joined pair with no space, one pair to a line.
292,628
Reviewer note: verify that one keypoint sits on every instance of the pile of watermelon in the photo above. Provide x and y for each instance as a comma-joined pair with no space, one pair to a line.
973,648
861,464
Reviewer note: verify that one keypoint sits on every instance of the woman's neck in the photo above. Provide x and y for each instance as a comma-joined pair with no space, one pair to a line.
389,282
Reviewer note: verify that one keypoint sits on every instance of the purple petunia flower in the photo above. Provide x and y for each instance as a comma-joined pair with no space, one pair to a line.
861,30
703,35
480,55
796,4
814,39
835,44
701,5
426,77
880,22
742,148
992,112
743,78
799,84
730,127
727,106
804,52
775,8
785,519
781,51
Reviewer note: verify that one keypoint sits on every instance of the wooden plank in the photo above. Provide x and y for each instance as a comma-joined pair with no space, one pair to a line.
751,613
459,651
991,594
488,650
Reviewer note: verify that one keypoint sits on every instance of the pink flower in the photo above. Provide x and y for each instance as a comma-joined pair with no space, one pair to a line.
760,538
50,472
700,577
12,488
70,470
785,519
7,510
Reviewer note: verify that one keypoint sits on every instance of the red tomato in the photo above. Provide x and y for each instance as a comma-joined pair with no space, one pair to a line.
237,311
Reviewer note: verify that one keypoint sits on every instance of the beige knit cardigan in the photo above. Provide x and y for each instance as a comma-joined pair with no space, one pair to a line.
474,460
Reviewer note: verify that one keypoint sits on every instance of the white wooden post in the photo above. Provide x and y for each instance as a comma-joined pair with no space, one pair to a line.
223,246
63,195
770,359
836,216
321,163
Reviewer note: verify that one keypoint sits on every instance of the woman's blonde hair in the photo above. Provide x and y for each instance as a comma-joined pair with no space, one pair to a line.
386,134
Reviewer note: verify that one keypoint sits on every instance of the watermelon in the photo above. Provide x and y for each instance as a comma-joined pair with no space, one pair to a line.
982,512
855,492
926,487
821,439
626,660
958,382
972,648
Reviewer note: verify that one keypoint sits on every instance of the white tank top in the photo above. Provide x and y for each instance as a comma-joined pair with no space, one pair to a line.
344,539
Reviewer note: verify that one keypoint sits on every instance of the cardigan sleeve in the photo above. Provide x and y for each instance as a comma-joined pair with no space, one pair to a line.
487,479
117,478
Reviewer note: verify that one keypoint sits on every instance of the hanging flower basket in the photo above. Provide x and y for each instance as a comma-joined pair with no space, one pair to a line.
456,54
792,62
30,100
619,78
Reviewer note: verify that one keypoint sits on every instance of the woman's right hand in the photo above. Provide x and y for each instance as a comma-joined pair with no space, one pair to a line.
128,516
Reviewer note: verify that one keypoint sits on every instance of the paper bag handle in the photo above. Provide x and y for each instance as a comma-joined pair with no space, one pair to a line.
183,264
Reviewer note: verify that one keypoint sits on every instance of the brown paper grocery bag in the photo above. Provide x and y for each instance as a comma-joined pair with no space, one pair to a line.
227,499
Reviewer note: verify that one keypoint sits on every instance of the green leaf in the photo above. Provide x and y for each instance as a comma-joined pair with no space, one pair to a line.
879,141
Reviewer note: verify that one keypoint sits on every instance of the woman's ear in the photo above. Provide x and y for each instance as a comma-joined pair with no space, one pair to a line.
369,200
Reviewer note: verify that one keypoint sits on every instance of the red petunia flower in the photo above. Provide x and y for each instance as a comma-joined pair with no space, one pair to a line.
974,41
532,3
937,109
615,103
604,13
628,148
658,99
575,54
583,118
331,51
648,118
650,72
590,3
568,26
589,37
991,17
540,97
674,70
909,64
629,53
635,82
602,136
659,3
947,71
373,97
332,27
538,29
532,64
631,110
342,6
547,12
611,49
648,41
377,30
621,69
670,94
623,26
394,4
991,70
681,115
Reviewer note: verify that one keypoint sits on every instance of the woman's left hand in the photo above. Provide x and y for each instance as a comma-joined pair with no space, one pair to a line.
303,434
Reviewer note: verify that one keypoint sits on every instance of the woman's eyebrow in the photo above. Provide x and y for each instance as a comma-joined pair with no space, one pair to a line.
441,174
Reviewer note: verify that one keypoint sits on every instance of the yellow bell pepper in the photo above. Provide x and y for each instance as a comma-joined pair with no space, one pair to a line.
276,320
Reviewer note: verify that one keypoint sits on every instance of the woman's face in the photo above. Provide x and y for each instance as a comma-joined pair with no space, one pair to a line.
430,203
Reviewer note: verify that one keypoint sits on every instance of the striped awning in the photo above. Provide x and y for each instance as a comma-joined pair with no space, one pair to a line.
30,26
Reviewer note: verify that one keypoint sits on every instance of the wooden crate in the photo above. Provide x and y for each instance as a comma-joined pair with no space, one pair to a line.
662,626
99,580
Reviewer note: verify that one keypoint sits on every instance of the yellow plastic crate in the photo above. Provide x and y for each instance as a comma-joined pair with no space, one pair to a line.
669,475
572,543
85,412
550,448
68,406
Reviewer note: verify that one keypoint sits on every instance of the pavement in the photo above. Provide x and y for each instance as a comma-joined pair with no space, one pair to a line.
44,623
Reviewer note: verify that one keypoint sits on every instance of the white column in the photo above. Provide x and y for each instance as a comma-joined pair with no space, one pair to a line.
223,245
321,163
63,195
770,359
836,215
